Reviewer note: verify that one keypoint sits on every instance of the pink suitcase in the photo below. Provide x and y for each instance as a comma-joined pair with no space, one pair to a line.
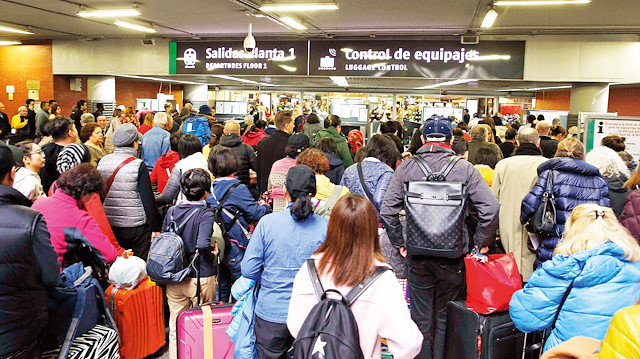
191,331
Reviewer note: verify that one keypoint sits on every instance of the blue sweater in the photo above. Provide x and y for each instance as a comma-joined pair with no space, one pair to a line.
377,177
603,283
280,245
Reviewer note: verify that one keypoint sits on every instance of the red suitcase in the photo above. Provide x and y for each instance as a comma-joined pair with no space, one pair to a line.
197,325
139,315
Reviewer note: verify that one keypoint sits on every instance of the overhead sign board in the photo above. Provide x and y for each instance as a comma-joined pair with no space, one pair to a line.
374,58
230,58
431,59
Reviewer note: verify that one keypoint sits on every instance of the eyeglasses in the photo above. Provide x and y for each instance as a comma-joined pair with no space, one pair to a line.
38,152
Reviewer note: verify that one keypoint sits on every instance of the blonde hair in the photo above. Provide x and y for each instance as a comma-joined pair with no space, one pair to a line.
571,147
591,225
148,119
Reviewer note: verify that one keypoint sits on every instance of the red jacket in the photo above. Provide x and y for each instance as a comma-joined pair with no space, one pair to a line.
163,168
71,228
252,138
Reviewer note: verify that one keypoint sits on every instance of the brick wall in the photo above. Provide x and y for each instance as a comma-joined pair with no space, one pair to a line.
127,91
67,98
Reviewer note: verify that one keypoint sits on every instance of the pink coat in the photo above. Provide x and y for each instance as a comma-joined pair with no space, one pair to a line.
381,312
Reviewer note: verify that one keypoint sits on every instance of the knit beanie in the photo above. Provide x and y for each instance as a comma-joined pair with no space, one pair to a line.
71,156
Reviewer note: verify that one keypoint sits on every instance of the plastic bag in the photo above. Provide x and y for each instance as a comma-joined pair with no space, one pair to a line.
126,273
491,285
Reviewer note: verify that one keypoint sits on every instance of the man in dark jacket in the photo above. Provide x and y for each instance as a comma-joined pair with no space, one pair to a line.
5,127
31,117
548,145
436,280
509,145
245,155
271,148
28,268
82,107
479,136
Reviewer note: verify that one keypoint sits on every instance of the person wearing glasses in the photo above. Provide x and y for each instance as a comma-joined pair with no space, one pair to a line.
27,180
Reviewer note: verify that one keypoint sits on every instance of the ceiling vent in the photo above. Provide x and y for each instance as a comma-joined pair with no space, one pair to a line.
469,39
148,42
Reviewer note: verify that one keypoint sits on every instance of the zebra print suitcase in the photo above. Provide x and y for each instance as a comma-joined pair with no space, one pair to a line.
100,342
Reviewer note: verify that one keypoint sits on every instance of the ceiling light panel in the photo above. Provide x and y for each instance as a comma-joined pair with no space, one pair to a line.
291,22
447,83
489,18
9,43
134,26
299,7
14,29
109,13
339,80
538,2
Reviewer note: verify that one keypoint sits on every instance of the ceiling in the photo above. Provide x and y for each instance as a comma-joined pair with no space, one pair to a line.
228,18
405,19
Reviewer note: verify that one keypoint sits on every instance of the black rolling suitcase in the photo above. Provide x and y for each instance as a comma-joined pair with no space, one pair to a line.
476,336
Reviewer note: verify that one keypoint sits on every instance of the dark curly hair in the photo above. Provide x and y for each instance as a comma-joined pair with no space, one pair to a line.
195,183
81,180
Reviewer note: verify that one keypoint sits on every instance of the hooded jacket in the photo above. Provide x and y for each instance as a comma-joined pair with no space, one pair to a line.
336,168
603,283
617,193
437,155
163,168
575,182
343,147
630,217
28,270
252,138
377,177
245,155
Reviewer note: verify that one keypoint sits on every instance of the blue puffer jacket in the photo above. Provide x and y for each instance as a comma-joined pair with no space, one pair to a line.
574,182
603,283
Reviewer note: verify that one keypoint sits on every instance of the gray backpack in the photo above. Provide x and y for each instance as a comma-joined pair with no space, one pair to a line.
325,209
165,263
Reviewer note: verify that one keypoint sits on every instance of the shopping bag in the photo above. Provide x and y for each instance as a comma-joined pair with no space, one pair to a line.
490,285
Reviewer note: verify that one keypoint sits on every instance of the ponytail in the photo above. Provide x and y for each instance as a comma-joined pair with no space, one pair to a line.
302,207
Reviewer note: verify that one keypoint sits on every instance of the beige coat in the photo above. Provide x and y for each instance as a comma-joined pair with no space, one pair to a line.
513,178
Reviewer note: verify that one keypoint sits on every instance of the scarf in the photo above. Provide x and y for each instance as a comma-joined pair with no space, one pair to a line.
529,149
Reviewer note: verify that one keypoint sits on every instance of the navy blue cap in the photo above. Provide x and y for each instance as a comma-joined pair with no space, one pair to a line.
437,129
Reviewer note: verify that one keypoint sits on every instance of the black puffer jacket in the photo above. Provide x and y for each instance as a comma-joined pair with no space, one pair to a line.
245,155
28,268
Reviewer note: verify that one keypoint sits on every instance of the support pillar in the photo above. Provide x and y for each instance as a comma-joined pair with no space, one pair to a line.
197,94
588,97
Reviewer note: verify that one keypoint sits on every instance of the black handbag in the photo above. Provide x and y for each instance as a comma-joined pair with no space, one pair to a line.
543,221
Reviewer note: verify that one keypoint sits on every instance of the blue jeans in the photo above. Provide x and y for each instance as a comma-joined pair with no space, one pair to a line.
433,282
228,272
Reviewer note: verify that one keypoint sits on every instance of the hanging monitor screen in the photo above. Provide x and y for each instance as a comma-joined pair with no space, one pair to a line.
431,59
230,58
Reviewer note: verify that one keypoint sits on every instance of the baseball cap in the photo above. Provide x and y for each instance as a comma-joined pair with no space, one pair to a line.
437,129
299,141
300,180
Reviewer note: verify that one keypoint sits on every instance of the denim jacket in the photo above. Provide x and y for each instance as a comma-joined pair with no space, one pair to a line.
280,245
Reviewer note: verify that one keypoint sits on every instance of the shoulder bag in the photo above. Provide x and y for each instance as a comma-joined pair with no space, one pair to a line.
543,221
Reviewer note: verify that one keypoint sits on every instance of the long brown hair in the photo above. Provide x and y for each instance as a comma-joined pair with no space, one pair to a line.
352,244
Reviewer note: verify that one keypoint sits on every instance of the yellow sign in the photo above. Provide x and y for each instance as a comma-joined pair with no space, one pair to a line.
33,84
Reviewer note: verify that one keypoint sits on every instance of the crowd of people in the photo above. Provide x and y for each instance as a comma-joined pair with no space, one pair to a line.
288,190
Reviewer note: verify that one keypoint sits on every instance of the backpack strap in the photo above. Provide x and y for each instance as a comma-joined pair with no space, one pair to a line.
356,291
449,165
335,195
423,165
364,186
315,281
113,175
78,311
181,225
227,194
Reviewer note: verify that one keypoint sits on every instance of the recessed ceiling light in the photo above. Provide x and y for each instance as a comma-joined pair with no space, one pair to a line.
447,83
17,30
134,26
292,23
8,43
536,88
108,13
489,18
538,2
299,7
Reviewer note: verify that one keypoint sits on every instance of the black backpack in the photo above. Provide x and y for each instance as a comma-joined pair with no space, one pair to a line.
330,330
436,210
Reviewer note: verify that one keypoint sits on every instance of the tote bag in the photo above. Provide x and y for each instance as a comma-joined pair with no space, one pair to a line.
491,285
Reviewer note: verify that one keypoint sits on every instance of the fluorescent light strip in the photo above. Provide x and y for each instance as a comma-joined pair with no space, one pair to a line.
539,2
134,26
108,13
622,83
340,81
16,30
8,43
537,88
489,18
292,23
490,58
448,83
299,7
